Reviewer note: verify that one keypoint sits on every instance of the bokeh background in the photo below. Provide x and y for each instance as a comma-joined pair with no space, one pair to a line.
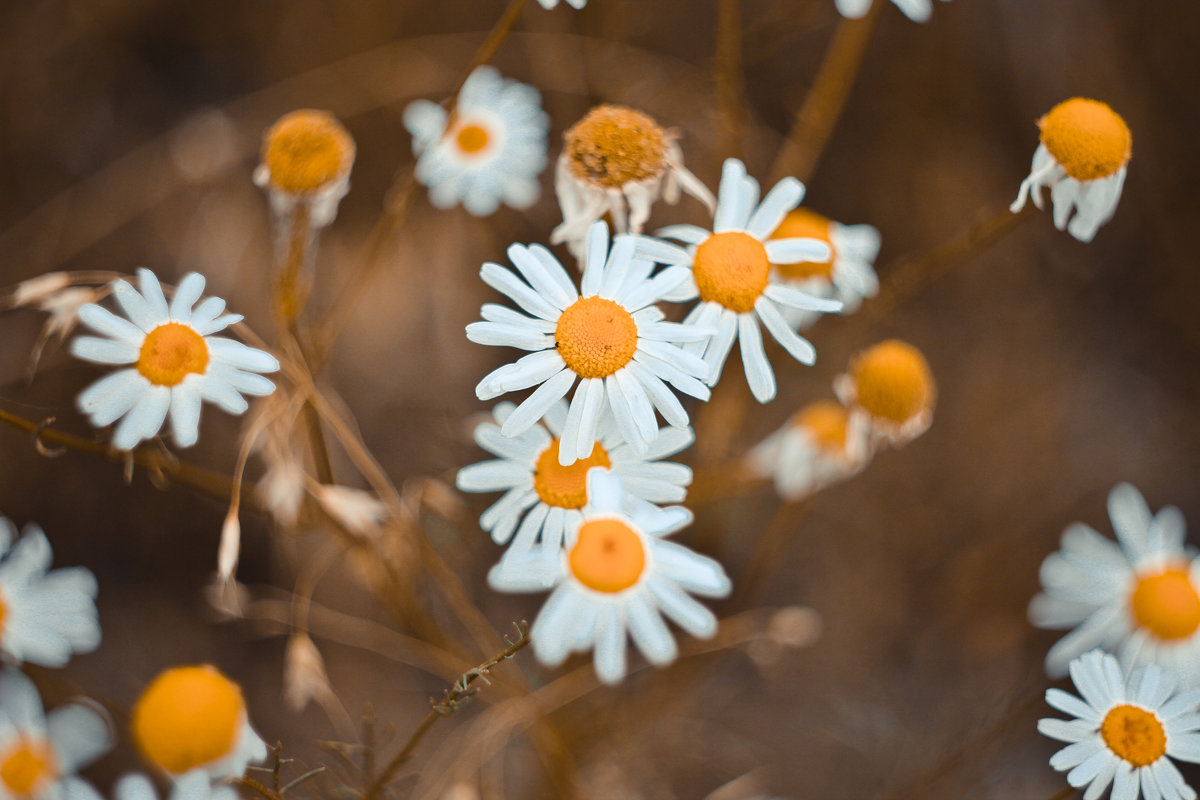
128,132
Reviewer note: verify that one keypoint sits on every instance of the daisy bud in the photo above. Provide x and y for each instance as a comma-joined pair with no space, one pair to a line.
890,388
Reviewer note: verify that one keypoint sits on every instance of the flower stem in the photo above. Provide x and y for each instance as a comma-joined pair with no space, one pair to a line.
728,73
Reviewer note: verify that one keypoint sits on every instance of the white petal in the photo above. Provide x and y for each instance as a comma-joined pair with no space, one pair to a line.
186,294
505,282
649,632
104,351
236,354
534,406
759,374
795,251
610,646
185,413
788,296
152,290
785,196
80,735
135,307
144,420
101,320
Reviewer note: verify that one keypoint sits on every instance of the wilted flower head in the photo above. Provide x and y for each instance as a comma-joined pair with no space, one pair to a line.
306,158
916,10
891,386
821,444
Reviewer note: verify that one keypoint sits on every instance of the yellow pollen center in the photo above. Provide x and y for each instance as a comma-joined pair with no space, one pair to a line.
731,269
170,353
565,487
1134,734
608,556
892,381
596,337
805,224
187,717
472,139
27,767
614,145
306,149
1087,138
825,422
1167,604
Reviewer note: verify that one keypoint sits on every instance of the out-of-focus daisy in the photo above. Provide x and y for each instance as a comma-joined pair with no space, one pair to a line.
491,148
44,616
573,3
890,386
306,159
731,274
194,718
616,574
176,361
848,275
40,754
192,786
1138,596
617,161
916,10
609,335
549,496
817,447
1125,731
1085,147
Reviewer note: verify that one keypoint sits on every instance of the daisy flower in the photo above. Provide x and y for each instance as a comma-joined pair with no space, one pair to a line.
44,616
616,574
306,159
176,361
1138,596
891,388
194,718
1125,731
608,335
817,447
192,786
731,274
576,4
549,496
40,754
617,161
916,10
1085,147
490,149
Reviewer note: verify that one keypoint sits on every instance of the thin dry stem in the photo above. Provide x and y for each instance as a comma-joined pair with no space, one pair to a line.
728,67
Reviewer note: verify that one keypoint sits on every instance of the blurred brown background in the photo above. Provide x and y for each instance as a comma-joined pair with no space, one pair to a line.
128,131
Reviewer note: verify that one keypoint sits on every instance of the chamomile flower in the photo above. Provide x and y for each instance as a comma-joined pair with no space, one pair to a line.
818,446
891,388
1125,731
731,274
40,753
848,275
1138,597
916,10
306,159
546,497
194,718
176,361
489,150
617,161
577,4
1085,147
192,786
44,616
608,335
616,574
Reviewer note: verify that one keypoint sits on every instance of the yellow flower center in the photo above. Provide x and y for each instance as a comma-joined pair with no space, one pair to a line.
1087,137
731,269
1134,734
613,145
608,556
565,487
472,139
596,337
825,422
188,717
170,353
892,381
1167,604
805,224
306,149
28,766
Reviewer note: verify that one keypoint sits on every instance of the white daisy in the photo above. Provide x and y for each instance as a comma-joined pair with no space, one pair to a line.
490,149
616,574
577,4
549,496
1138,596
916,10
40,754
611,337
890,391
44,616
177,362
818,446
194,718
731,274
1125,732
1084,149
617,161
306,159
192,786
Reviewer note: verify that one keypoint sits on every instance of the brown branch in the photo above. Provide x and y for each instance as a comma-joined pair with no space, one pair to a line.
728,68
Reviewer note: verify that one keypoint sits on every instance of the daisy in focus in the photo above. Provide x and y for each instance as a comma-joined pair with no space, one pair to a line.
546,497
1125,731
40,754
617,161
175,361
890,391
1084,149
306,160
44,616
609,335
1138,597
916,10
730,271
192,786
194,718
616,575
817,447
489,150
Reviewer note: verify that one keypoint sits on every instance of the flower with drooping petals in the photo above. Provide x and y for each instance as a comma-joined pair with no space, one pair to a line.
306,159
192,786
916,10
576,4
818,446
890,386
